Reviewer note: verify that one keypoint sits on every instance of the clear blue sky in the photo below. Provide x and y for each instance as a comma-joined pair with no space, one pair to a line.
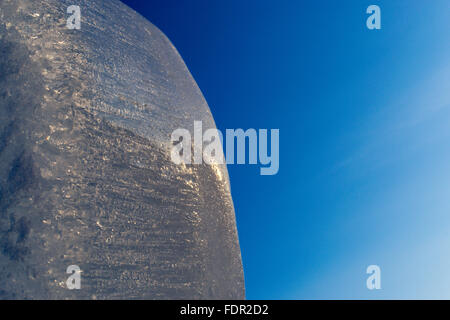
364,119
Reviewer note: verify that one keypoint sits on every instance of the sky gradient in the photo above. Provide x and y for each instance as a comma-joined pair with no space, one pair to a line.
364,119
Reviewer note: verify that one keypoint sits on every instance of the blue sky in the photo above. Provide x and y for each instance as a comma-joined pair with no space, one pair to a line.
364,119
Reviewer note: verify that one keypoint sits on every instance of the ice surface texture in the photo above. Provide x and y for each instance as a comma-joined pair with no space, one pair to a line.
85,171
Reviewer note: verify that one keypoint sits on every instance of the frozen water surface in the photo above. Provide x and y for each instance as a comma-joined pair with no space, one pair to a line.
85,171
